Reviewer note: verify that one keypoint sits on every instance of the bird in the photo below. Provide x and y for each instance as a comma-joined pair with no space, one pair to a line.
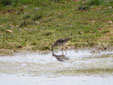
60,42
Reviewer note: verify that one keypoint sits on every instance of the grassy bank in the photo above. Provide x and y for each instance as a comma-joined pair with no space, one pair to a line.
37,24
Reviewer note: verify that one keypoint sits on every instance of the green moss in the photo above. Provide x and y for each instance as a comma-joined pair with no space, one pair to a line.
86,71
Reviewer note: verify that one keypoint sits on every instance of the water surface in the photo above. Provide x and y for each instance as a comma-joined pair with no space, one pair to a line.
84,66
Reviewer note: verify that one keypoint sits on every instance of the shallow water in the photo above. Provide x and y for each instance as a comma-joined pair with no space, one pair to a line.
44,69
34,80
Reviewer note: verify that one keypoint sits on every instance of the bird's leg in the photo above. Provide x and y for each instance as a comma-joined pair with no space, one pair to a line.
52,53
65,51
62,50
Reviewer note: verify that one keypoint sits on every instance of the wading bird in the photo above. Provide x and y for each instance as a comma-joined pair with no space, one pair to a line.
60,42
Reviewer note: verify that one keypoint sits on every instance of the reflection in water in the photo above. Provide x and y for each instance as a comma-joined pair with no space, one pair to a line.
60,57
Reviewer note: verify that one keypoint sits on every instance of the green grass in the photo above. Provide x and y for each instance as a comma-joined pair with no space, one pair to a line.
39,25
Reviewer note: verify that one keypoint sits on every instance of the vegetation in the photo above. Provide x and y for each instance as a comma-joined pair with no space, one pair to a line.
36,24
97,71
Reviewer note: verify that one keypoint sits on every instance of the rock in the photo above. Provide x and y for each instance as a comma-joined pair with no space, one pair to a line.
110,22
81,33
110,7
9,31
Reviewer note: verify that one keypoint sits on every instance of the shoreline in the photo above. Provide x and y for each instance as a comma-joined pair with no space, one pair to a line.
4,52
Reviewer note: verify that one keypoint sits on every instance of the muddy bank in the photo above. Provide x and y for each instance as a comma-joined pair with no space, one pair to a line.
95,49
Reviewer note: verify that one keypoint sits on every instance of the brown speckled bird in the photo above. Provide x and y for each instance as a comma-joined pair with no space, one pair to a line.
60,42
